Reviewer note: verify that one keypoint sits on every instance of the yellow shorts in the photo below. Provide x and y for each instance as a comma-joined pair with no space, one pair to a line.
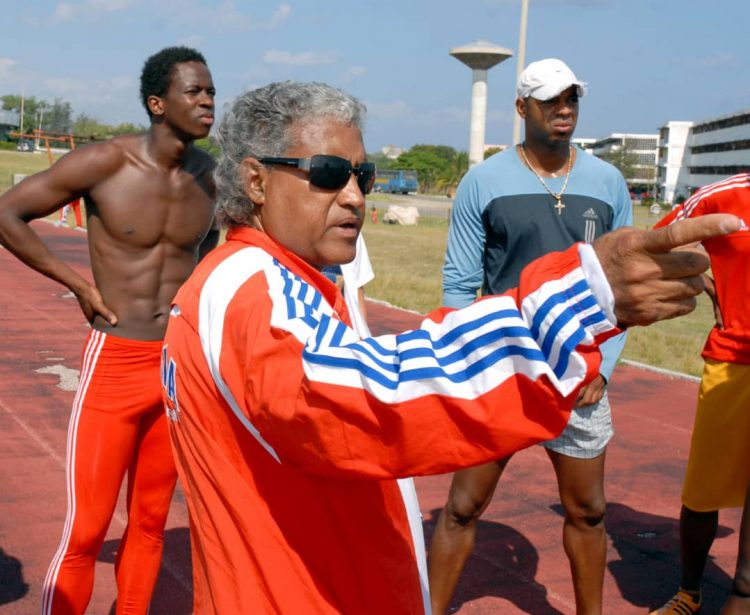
719,464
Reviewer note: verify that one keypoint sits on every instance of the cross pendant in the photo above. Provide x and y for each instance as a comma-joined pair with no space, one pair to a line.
559,207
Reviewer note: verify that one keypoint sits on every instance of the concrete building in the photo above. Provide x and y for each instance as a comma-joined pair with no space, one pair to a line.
584,143
672,172
694,154
719,148
637,153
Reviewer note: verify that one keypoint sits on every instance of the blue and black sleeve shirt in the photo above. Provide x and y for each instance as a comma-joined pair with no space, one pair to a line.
503,218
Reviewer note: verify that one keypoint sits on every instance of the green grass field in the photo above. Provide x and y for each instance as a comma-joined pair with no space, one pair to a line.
26,163
408,262
20,162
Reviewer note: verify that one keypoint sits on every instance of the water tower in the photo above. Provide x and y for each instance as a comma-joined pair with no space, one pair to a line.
479,56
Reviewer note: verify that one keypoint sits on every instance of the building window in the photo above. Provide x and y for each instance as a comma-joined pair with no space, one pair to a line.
730,169
727,146
640,143
646,158
727,122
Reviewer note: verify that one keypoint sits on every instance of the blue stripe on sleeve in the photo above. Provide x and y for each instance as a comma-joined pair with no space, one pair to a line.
414,355
421,373
567,348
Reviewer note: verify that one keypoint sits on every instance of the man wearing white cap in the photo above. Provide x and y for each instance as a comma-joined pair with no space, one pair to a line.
538,197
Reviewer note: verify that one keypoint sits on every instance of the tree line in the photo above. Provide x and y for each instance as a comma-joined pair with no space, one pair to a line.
439,167
57,117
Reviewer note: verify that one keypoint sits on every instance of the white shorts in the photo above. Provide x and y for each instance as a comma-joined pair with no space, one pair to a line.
587,433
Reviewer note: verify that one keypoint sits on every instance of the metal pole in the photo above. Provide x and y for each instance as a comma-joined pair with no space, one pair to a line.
23,91
39,127
519,67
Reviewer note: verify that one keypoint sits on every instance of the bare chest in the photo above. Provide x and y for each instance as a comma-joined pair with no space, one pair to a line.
144,209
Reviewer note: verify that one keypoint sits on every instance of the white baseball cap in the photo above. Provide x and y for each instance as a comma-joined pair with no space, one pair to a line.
546,79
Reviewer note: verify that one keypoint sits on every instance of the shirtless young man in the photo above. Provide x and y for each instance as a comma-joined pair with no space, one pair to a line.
150,216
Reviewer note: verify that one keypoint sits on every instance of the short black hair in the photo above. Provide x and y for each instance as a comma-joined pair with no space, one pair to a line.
157,70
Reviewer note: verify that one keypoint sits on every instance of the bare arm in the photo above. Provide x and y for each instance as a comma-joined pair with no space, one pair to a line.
711,292
44,193
210,241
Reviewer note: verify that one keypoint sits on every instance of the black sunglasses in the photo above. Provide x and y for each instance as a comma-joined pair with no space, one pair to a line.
330,172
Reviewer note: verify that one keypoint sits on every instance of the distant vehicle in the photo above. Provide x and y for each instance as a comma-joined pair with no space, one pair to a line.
396,181
24,145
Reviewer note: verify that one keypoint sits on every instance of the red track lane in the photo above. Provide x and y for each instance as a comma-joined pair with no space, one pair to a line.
519,565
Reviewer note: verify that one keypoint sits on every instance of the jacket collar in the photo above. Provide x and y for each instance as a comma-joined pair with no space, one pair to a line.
295,264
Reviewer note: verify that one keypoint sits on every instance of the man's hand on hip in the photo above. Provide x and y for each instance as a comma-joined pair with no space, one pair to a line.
91,302
591,393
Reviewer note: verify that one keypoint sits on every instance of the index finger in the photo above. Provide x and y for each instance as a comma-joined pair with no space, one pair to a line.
689,231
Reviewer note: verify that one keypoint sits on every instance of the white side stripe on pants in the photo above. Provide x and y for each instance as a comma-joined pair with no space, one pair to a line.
91,354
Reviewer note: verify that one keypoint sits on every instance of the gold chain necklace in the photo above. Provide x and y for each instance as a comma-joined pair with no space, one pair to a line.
559,206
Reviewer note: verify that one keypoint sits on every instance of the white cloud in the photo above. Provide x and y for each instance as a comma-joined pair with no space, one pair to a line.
719,60
123,83
66,11
6,68
279,15
598,4
109,6
303,58
353,72
229,17
394,110
112,100
258,73
81,93
194,40
400,111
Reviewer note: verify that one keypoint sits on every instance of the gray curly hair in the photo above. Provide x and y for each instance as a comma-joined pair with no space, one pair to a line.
257,124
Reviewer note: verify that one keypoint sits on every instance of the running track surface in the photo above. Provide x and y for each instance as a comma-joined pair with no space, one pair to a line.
518,566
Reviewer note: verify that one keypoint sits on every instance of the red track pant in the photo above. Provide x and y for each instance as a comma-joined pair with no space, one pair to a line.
117,425
76,207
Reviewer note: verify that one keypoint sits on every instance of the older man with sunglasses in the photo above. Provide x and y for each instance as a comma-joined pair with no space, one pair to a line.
289,429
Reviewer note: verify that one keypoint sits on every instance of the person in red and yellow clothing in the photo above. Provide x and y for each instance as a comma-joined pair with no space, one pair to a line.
718,468
290,430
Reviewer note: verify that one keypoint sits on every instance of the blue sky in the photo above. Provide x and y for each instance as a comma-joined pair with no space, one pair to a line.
646,61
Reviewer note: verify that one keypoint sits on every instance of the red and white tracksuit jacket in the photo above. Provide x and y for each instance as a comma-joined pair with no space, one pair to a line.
289,429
